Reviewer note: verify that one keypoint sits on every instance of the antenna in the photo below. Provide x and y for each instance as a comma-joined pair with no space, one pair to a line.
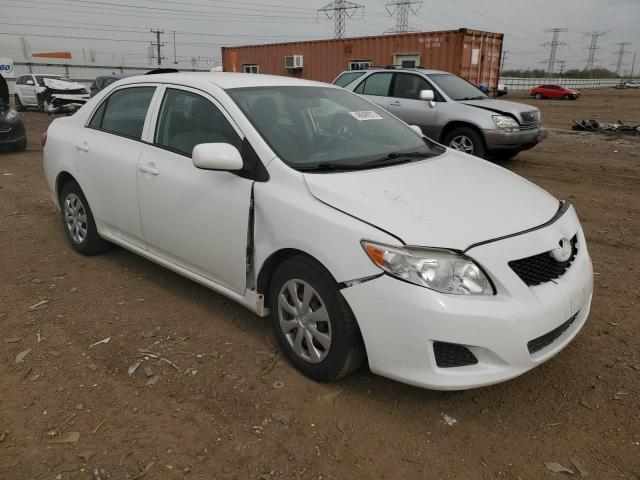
593,47
338,11
621,53
554,44
401,9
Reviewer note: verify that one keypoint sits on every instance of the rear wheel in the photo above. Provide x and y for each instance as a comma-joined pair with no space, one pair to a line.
312,321
77,219
19,105
467,140
538,96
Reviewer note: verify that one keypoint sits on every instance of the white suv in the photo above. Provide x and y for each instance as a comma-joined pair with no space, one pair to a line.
50,93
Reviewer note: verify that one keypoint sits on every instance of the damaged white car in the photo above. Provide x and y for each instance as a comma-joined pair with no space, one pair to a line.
49,93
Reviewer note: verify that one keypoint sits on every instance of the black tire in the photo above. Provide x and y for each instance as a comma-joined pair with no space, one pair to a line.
21,146
91,243
19,105
566,97
479,148
346,350
538,96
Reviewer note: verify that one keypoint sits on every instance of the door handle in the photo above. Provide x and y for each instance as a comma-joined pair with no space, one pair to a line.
148,169
84,147
395,104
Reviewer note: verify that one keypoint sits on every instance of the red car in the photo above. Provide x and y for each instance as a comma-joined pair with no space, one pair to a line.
554,91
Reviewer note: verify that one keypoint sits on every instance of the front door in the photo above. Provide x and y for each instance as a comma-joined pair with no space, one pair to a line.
107,153
196,219
27,91
405,103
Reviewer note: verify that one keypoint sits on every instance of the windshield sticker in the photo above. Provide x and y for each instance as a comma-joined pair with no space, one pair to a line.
365,115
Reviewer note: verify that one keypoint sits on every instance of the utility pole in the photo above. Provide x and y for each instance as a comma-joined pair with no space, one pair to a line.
592,49
175,58
158,45
338,11
554,44
562,63
401,10
620,54
25,51
633,66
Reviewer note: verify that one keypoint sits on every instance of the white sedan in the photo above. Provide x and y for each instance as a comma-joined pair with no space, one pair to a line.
357,236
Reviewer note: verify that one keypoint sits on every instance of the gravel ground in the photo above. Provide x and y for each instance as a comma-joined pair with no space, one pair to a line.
233,409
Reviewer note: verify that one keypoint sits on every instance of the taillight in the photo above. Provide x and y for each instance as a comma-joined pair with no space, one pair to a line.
43,138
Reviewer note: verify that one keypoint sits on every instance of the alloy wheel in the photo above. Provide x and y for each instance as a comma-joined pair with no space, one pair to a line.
75,217
462,143
304,320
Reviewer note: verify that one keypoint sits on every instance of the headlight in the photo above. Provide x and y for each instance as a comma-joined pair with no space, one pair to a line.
506,123
11,115
439,270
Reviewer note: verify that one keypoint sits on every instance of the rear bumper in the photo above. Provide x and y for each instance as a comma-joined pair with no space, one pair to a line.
522,140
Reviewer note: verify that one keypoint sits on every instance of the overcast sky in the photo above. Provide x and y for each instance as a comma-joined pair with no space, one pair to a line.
116,32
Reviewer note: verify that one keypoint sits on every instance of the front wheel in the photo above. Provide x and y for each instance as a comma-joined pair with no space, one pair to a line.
77,219
566,97
19,105
467,140
312,321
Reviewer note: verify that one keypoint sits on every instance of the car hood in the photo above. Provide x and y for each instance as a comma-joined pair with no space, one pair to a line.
61,84
504,106
450,201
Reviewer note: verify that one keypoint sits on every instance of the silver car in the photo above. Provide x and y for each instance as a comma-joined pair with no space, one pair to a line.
450,110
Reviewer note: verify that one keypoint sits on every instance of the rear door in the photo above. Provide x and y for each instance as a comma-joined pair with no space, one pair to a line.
376,88
405,103
107,152
196,219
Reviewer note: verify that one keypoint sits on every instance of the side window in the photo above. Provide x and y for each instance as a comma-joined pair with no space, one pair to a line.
19,80
408,86
376,84
124,112
187,119
346,78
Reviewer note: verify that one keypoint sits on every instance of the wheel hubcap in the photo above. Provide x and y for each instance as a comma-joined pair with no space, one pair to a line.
462,143
75,218
304,320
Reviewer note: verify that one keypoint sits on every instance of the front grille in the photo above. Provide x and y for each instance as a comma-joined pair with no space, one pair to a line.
547,339
77,91
5,129
531,126
529,117
543,267
453,355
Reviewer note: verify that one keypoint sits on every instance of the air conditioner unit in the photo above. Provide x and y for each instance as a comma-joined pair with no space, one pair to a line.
293,61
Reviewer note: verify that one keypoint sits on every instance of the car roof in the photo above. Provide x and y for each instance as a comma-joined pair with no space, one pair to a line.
224,80
396,69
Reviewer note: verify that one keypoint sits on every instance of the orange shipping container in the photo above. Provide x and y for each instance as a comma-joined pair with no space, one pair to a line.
472,54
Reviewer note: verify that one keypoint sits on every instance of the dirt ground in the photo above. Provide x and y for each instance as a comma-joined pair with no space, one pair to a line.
233,409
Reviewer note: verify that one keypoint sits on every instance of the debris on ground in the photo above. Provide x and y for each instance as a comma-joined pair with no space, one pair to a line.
614,127
557,468
21,356
99,342
99,425
67,437
132,369
3,435
582,472
12,339
86,455
40,305
329,398
153,380
144,472
449,420
147,354
100,474
278,385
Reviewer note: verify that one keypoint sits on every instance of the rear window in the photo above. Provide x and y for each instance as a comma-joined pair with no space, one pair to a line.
346,78
124,112
376,84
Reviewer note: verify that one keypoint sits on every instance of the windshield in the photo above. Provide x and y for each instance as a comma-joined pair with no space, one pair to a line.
324,128
457,88
40,78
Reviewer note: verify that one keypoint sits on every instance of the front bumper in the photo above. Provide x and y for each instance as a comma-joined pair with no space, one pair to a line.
521,140
400,322
11,134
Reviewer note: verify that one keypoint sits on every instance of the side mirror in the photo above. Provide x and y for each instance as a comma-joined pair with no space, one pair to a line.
217,156
427,95
416,129
30,82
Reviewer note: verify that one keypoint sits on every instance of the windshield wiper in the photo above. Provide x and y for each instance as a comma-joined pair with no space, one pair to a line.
394,156
325,166
472,98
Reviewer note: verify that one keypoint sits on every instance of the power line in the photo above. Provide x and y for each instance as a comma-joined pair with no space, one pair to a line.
593,48
401,9
338,11
554,44
621,54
